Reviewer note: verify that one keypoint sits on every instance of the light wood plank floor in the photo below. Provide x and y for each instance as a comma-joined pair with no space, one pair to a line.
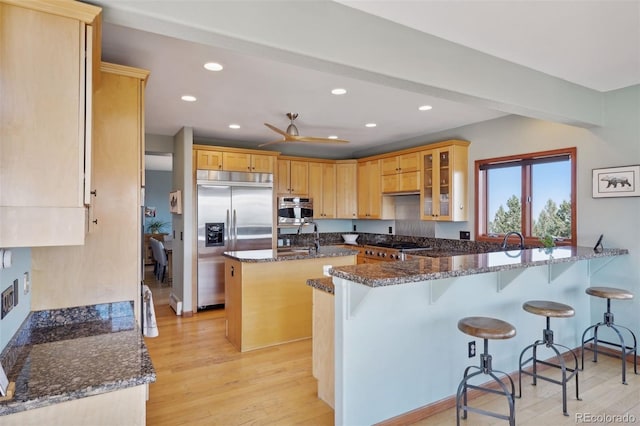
203,380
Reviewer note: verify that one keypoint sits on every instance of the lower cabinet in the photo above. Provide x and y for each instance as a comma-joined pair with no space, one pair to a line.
323,364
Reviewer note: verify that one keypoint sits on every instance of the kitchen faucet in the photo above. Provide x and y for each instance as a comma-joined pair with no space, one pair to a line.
316,235
503,246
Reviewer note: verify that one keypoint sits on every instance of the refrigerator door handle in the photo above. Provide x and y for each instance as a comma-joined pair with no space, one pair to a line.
235,228
228,231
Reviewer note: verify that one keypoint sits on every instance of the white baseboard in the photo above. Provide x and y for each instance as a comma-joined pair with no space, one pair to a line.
175,304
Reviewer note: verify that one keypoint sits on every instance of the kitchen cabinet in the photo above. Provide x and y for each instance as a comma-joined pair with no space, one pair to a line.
245,162
444,193
401,173
45,123
107,267
208,159
292,177
346,189
234,160
371,203
322,189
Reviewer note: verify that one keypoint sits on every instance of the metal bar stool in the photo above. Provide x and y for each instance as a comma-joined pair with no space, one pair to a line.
611,293
485,328
557,310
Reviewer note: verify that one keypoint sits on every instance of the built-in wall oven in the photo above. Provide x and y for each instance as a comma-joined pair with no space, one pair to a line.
294,210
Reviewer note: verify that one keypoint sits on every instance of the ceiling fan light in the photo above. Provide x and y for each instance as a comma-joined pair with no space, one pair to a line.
292,130
339,91
370,125
188,98
425,107
234,126
332,137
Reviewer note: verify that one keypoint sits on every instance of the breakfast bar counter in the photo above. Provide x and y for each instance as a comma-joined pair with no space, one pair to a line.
397,346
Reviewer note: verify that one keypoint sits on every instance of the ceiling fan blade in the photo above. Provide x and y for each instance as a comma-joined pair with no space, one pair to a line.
275,129
271,143
320,140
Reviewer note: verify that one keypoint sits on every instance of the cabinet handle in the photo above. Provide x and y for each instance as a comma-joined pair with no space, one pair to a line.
95,221
94,192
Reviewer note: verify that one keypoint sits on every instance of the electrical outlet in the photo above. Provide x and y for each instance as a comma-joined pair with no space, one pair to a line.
472,349
7,301
391,229
465,235
354,228
25,283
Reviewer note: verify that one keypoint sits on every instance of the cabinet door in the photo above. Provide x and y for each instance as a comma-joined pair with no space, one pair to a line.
409,162
315,188
209,160
375,190
283,185
42,126
299,177
261,163
346,190
236,161
389,166
363,190
408,182
328,191
444,192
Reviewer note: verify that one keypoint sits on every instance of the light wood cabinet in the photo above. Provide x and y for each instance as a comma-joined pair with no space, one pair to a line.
401,173
322,189
371,203
45,121
346,189
233,161
444,193
107,267
208,159
293,177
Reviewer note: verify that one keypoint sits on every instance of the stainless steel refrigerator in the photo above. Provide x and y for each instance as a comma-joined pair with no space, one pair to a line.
235,212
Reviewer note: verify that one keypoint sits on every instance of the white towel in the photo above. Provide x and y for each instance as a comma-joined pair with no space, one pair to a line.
149,314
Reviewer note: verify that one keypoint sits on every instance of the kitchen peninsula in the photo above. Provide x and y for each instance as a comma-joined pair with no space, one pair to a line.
397,347
266,299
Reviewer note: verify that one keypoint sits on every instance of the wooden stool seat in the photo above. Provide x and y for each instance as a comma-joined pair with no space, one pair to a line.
548,309
486,328
609,293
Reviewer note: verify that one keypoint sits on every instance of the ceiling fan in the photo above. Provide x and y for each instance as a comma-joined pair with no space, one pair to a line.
292,134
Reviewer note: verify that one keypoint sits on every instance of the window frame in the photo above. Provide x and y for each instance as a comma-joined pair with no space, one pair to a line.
526,161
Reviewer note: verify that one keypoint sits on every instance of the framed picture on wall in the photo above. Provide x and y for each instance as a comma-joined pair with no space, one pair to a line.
616,182
175,202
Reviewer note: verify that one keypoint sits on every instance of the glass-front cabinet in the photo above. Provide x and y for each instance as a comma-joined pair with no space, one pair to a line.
444,192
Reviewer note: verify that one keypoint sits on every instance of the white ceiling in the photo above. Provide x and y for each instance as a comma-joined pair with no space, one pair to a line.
595,44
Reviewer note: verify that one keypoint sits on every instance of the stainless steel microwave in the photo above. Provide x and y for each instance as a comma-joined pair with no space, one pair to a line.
294,210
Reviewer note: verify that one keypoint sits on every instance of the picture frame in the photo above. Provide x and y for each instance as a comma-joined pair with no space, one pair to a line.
175,202
623,181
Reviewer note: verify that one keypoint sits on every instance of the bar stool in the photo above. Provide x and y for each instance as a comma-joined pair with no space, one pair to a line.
549,309
611,293
485,328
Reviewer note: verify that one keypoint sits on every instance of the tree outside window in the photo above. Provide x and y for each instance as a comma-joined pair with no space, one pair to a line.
533,194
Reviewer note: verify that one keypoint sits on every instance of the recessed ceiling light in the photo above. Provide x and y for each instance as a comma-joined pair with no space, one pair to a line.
188,98
339,91
425,107
213,66
234,126
370,125
332,137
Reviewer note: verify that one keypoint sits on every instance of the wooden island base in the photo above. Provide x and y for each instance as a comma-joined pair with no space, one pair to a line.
269,303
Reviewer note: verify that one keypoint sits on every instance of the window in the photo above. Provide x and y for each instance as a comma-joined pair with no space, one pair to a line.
533,194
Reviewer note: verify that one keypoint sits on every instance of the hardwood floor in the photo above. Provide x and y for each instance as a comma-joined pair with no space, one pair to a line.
203,380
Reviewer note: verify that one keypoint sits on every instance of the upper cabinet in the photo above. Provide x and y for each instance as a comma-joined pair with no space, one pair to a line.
444,193
322,189
371,203
292,177
346,189
234,160
46,121
401,173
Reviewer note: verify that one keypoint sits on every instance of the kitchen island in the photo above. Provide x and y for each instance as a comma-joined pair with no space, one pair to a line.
266,300
397,346
74,366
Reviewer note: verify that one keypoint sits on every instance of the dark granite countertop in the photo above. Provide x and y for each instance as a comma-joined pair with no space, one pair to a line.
324,284
433,268
292,254
67,354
